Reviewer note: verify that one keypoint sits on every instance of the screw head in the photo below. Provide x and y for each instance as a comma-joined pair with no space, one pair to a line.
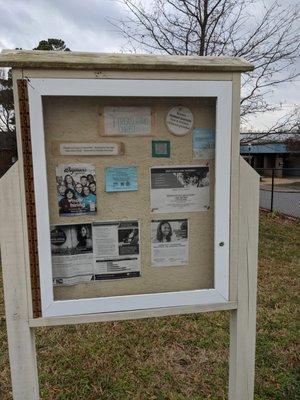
221,244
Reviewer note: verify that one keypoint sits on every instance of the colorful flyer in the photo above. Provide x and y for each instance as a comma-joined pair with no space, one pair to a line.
121,179
203,143
76,189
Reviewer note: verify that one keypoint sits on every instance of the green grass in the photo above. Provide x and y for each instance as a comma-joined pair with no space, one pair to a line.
177,358
291,185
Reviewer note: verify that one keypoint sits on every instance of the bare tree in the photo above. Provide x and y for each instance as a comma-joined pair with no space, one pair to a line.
7,123
264,35
7,113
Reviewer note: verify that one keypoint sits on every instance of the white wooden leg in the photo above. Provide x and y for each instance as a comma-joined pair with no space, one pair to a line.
243,320
21,343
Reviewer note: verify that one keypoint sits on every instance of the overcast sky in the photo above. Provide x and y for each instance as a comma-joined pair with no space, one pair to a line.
83,26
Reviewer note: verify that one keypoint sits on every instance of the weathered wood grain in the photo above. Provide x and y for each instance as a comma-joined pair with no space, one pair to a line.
80,60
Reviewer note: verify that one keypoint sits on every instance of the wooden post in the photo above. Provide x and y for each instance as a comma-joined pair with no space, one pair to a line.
21,341
243,319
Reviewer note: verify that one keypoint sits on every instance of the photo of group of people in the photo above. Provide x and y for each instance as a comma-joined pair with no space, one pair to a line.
76,189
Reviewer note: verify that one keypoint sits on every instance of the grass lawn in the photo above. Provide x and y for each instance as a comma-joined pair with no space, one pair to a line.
291,185
177,358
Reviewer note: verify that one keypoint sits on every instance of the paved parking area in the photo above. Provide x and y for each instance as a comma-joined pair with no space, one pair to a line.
285,202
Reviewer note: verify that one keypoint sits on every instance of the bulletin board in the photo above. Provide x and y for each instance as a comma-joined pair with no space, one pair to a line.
117,245
73,119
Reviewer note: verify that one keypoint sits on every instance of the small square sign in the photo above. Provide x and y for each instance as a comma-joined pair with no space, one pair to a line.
161,148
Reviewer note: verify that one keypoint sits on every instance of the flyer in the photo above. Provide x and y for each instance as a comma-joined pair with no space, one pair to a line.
179,189
116,250
203,143
84,253
169,242
121,179
127,121
72,254
76,189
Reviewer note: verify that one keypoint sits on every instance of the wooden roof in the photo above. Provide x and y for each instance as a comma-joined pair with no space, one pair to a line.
115,61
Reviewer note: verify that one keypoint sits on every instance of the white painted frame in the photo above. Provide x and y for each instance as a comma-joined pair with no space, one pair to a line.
222,91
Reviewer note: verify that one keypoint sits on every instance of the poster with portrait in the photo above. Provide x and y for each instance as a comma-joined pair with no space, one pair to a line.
72,254
169,242
116,249
179,189
76,189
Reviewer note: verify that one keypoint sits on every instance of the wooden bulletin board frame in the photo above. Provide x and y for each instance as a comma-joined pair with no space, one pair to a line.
236,205
222,92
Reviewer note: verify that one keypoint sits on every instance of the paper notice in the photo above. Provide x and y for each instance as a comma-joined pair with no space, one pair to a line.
179,189
72,254
203,143
169,242
116,250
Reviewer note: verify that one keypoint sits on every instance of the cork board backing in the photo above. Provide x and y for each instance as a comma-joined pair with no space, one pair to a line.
76,119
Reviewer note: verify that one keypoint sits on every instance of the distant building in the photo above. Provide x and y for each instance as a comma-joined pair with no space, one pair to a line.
274,151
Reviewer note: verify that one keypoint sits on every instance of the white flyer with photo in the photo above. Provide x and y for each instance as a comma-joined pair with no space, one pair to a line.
180,189
127,121
169,242
72,254
116,249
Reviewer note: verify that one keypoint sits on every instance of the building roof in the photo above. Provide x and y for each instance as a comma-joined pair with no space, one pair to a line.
115,61
271,148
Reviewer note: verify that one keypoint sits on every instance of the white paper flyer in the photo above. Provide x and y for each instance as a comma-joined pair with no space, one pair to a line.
179,189
169,242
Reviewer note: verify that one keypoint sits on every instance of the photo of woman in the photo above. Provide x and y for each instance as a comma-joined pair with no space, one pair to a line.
69,182
164,232
79,191
83,237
